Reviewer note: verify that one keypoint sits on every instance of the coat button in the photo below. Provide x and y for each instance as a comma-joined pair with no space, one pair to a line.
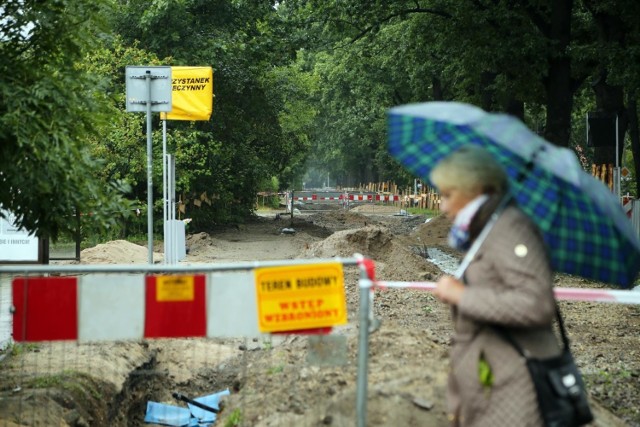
521,251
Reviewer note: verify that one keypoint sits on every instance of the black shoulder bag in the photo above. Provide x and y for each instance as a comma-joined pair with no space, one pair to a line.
562,397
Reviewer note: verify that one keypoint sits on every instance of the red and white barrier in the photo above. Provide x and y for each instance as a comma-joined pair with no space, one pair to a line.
314,197
308,298
567,294
352,197
376,197
99,307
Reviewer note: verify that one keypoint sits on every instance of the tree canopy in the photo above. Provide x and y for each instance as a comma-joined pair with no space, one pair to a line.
301,92
49,110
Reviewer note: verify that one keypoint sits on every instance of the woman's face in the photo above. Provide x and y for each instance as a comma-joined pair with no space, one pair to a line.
453,199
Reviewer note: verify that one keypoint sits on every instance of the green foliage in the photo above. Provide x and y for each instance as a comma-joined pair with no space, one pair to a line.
234,418
17,349
275,369
49,110
498,55
301,88
257,130
421,211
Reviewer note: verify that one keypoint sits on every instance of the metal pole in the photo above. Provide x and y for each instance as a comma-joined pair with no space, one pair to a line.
170,245
78,233
165,209
363,352
617,162
149,171
173,228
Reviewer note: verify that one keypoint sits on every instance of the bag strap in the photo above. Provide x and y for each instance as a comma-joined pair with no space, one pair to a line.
524,353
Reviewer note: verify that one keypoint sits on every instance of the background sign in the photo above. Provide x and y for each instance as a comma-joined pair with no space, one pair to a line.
138,91
192,97
16,245
300,297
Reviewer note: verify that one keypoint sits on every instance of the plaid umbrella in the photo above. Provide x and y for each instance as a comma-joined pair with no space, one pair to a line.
582,221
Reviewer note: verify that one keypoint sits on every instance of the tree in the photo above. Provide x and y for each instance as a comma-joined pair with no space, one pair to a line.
49,109
257,130
527,58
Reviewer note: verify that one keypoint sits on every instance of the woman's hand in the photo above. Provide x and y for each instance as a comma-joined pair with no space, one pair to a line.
449,290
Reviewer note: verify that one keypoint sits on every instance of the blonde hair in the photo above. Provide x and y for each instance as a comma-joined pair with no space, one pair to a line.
472,170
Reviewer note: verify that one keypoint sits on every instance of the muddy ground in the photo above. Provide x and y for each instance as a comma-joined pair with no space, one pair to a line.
297,380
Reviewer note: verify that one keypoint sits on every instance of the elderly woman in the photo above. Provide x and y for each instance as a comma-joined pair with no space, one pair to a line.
508,284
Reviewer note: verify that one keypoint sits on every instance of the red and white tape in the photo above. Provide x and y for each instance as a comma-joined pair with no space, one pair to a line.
567,294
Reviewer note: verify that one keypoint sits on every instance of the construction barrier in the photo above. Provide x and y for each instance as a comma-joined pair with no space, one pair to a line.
352,197
70,312
427,199
208,304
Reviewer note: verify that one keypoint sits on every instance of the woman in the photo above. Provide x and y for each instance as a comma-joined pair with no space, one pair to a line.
508,284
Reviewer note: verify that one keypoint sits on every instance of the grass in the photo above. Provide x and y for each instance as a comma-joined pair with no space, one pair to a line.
15,349
275,369
234,418
420,211
267,344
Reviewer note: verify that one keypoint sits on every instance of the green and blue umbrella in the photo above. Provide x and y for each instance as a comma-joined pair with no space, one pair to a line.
582,221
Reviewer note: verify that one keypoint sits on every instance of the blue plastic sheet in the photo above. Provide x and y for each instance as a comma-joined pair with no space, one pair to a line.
160,413
176,416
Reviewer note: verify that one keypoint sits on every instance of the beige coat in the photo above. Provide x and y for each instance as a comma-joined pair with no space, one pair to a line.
509,284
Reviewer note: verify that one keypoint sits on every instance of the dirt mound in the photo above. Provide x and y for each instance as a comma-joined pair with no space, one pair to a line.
376,209
117,252
434,232
199,242
341,220
393,259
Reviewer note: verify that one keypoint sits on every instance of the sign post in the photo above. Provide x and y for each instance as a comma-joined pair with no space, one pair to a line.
149,90
192,99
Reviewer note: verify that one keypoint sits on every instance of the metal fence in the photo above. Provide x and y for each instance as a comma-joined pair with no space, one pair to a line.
88,345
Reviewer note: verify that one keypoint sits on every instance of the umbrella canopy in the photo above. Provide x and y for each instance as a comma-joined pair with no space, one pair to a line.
582,221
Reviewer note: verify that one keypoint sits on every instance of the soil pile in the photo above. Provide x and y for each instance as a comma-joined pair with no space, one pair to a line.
200,242
394,260
434,232
117,252
341,220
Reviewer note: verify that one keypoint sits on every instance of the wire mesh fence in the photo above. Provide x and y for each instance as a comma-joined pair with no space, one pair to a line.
83,354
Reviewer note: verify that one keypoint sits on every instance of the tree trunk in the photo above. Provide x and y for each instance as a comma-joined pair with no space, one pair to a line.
559,84
515,108
437,91
610,99
487,95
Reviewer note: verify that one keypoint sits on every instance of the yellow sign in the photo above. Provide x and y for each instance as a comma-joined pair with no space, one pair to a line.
191,93
300,297
175,288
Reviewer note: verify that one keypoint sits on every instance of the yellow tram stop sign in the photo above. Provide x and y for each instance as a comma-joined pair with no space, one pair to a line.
299,297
